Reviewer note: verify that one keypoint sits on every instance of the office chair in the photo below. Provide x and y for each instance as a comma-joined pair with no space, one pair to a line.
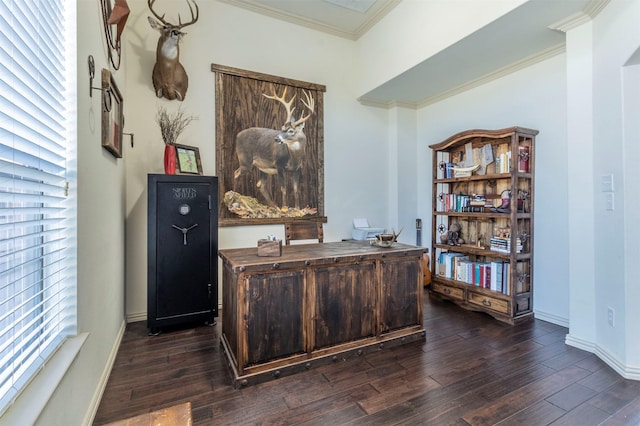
303,230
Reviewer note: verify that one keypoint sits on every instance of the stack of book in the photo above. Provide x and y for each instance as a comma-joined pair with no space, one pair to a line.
503,244
477,204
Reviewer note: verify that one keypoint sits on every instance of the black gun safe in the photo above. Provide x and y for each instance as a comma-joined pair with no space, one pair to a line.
182,281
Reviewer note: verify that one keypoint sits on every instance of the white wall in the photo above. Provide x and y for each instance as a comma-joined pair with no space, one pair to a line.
616,41
101,235
416,30
532,98
355,137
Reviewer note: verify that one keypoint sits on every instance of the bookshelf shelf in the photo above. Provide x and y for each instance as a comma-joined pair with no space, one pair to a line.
492,268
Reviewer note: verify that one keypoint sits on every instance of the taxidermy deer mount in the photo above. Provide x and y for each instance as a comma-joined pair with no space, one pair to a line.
275,151
169,77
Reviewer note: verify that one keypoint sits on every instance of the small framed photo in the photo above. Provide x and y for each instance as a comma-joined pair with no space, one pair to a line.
112,115
188,160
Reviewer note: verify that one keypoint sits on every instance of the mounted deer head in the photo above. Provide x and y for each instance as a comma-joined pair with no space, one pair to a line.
169,77
275,151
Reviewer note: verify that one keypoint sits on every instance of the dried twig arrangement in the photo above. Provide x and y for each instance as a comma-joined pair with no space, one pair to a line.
172,125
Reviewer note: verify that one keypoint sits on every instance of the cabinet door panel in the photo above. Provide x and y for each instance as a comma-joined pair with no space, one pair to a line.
274,315
344,307
400,287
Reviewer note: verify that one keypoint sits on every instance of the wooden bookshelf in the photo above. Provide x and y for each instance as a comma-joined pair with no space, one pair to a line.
488,265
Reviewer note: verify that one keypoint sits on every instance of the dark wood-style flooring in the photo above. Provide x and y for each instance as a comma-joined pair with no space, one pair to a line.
472,370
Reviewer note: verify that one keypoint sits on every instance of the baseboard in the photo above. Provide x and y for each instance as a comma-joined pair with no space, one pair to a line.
553,319
140,316
104,378
576,342
628,372
632,373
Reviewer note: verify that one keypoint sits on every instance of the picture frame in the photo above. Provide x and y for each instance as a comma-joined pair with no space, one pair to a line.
247,99
188,160
112,115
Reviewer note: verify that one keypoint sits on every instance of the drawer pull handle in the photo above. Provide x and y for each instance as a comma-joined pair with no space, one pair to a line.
486,302
446,291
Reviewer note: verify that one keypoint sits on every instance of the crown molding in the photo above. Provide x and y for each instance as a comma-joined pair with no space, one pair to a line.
590,11
487,78
388,105
497,74
381,13
272,12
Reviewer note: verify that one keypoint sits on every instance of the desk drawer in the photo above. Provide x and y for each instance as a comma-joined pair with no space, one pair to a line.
492,303
449,291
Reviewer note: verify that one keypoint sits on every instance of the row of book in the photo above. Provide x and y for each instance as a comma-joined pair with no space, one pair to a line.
503,244
503,162
493,275
448,170
464,203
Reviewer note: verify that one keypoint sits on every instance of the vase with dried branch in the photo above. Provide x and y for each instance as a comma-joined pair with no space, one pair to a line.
171,126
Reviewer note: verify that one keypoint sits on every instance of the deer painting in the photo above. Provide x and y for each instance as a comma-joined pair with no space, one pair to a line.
275,151
169,77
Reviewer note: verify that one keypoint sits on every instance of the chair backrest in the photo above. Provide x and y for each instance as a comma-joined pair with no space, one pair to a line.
303,230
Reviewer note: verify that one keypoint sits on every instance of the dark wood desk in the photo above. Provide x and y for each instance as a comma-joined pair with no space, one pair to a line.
317,304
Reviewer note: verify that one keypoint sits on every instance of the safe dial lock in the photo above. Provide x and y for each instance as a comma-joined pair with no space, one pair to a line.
184,231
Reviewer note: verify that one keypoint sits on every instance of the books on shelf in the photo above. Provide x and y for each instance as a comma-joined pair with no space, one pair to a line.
494,275
464,203
446,264
503,245
503,162
447,172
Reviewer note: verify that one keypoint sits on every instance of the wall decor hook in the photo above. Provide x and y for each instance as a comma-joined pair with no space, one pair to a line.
107,91
129,134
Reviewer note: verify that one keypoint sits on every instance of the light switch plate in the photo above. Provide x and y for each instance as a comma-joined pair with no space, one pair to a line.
606,183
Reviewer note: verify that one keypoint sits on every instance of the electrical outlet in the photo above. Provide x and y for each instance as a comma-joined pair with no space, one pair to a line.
611,317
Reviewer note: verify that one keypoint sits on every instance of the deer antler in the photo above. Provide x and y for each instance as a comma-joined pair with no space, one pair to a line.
158,17
194,17
310,104
280,99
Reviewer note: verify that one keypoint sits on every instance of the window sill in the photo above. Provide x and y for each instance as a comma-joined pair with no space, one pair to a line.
32,400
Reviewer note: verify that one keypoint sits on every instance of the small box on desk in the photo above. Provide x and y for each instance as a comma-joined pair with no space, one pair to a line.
269,247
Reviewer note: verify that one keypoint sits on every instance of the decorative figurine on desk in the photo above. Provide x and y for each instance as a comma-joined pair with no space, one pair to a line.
452,236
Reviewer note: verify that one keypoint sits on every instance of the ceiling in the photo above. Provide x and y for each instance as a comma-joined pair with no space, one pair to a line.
530,33
344,18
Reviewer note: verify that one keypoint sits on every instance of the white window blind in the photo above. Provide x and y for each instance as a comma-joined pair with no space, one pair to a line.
37,289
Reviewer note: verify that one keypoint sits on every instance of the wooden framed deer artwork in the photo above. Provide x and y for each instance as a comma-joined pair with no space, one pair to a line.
269,148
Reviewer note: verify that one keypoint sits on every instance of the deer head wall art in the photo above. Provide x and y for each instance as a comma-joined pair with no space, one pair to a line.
169,76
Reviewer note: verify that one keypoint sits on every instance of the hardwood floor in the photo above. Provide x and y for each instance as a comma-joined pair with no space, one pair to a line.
472,370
